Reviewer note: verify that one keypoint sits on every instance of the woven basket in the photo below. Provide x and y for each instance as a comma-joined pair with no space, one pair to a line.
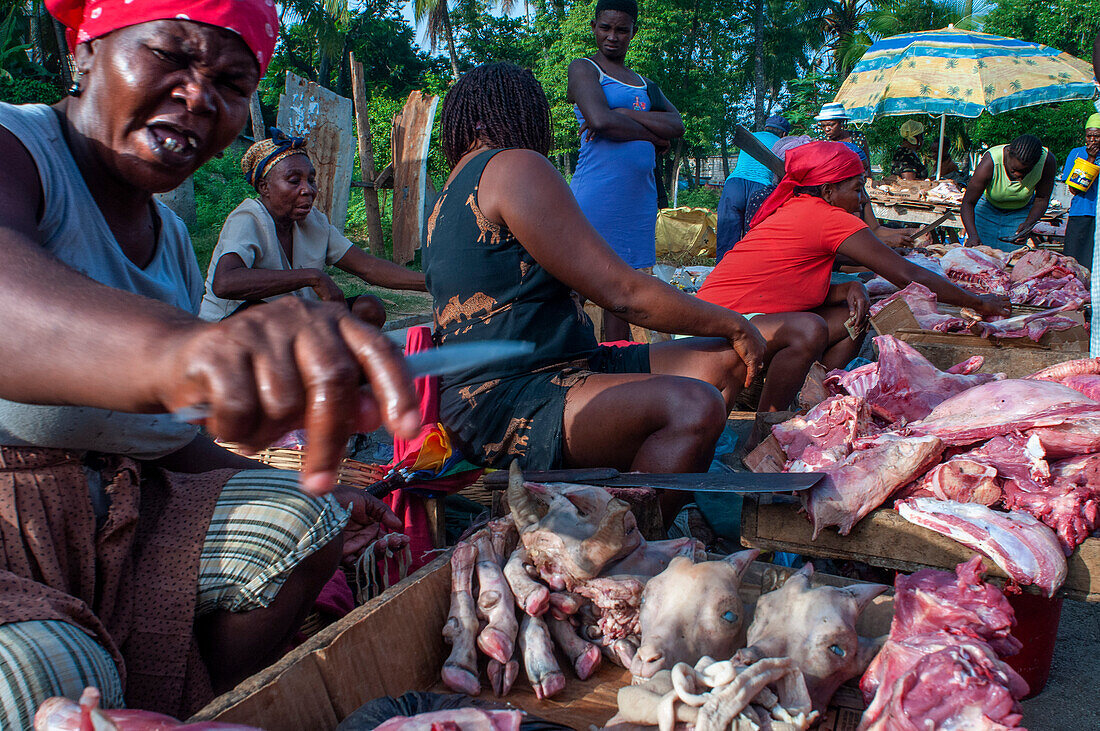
351,472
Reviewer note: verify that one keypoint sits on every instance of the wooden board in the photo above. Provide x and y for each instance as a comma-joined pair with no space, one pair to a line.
886,539
411,136
326,120
393,644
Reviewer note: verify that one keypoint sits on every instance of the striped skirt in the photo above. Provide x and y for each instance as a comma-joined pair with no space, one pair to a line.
263,526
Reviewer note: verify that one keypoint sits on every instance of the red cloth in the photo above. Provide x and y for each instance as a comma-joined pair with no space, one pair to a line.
815,163
407,506
783,264
255,21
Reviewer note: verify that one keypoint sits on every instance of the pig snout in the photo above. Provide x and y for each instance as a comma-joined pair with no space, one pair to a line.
647,661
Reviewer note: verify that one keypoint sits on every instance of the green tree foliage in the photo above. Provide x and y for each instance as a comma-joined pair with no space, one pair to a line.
1068,25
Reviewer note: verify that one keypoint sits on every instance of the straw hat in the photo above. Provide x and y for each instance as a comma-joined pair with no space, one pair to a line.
833,110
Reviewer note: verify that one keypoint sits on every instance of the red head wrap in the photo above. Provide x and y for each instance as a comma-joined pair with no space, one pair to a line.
255,21
813,164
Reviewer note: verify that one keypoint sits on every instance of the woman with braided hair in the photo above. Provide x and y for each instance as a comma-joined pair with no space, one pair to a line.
279,244
624,121
1008,194
507,245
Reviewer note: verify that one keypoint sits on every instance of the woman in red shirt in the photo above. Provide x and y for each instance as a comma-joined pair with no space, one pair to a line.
779,273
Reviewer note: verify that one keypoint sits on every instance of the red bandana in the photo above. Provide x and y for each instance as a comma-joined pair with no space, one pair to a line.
255,21
816,163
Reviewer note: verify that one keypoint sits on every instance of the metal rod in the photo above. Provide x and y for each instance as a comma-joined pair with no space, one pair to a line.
939,156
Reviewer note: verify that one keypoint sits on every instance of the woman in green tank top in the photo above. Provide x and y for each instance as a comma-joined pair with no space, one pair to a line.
1008,193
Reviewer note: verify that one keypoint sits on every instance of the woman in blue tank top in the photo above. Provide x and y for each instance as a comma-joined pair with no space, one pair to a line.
625,120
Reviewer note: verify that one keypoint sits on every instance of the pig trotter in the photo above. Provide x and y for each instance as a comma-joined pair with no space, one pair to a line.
495,603
460,669
583,654
502,676
538,658
531,596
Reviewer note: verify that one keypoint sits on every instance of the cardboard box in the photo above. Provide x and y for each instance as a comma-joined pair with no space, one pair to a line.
1015,357
393,644
886,539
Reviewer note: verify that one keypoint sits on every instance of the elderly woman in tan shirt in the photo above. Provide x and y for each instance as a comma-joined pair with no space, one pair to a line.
279,244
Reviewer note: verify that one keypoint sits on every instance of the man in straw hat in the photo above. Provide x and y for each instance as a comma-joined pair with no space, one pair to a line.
830,120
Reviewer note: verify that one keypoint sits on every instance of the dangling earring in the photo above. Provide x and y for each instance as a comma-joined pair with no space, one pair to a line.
74,88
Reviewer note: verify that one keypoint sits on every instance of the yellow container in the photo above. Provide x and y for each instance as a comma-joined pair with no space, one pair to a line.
1082,175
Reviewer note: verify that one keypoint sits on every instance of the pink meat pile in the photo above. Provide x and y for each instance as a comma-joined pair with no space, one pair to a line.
955,446
925,308
1047,279
941,665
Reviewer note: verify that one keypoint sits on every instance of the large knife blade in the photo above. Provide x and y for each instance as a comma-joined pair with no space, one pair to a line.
738,482
758,150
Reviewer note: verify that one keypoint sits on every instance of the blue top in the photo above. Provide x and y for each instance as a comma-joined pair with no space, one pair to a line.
749,168
614,182
1083,204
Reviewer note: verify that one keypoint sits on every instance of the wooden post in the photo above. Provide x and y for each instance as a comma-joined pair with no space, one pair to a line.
258,131
366,157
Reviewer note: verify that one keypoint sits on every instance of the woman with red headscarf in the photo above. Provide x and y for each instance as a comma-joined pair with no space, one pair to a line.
780,271
136,555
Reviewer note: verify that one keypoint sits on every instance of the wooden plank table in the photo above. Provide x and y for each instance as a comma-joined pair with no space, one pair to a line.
887,540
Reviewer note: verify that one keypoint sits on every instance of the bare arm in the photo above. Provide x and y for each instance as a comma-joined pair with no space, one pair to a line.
892,237
373,270
585,92
662,119
983,174
1042,199
235,280
522,190
865,248
71,340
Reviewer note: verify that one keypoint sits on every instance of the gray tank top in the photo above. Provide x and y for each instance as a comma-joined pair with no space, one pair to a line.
73,230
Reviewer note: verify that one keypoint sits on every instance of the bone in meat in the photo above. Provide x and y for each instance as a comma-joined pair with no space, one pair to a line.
495,603
863,481
690,611
583,654
538,658
823,435
1024,548
961,479
976,271
617,600
531,596
460,669
502,676
909,387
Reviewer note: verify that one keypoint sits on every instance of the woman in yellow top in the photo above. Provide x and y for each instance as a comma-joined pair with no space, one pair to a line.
1009,179
279,244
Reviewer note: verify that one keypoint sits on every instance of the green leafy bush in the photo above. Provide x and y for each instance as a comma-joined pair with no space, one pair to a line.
29,91
219,188
701,197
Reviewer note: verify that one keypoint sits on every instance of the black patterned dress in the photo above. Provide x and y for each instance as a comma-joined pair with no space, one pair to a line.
486,286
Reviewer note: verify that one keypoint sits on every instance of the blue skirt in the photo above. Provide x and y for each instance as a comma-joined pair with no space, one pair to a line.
995,223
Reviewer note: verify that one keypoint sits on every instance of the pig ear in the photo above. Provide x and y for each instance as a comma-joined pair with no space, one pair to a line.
864,593
741,560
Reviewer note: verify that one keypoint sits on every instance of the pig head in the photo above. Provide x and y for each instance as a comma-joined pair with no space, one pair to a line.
691,610
815,627
571,532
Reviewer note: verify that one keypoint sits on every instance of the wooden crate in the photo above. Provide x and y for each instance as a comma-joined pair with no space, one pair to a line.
886,539
1015,357
393,644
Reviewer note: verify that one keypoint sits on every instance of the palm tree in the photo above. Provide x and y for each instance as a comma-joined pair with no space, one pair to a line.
438,17
327,21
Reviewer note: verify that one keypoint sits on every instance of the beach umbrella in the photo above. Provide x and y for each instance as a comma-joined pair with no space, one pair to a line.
962,73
